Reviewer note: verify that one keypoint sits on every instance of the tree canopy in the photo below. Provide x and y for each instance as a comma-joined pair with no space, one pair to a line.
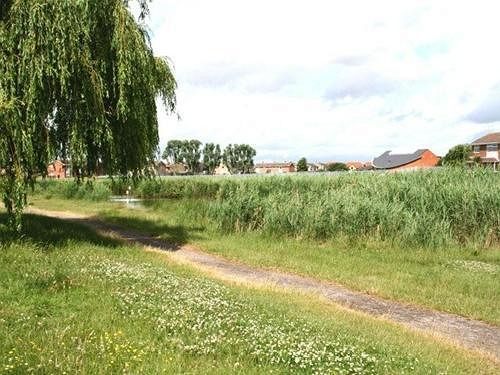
78,81
302,165
212,157
336,167
191,155
173,151
457,155
239,158
187,152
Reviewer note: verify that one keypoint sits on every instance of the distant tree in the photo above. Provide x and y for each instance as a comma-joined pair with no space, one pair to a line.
191,154
212,157
457,155
173,151
187,152
239,158
336,167
302,165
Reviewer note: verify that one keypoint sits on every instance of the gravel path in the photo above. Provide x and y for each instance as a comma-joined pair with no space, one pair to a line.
468,333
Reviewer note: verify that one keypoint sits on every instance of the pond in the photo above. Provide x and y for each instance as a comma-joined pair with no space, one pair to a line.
128,201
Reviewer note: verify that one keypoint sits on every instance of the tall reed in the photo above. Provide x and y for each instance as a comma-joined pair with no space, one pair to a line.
424,208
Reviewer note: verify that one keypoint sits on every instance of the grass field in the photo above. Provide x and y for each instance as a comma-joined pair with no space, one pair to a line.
75,302
457,278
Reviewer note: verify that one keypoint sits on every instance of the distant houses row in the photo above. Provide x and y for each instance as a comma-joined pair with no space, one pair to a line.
289,167
485,150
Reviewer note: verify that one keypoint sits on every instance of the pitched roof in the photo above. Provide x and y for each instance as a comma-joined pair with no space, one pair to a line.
487,139
387,161
274,165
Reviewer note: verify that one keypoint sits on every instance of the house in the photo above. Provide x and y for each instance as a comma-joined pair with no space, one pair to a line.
315,167
265,168
367,166
359,165
354,165
162,168
57,169
222,170
422,158
177,168
312,167
487,149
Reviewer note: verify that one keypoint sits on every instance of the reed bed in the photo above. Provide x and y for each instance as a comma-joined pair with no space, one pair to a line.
423,208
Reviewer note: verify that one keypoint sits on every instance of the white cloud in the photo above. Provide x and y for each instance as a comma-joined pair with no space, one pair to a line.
330,79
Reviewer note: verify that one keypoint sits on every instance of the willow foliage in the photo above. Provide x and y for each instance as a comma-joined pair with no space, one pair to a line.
78,81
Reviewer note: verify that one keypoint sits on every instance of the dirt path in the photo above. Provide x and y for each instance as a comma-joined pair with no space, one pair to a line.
468,333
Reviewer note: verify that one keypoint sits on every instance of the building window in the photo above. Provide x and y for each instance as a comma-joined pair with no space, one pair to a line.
476,148
493,147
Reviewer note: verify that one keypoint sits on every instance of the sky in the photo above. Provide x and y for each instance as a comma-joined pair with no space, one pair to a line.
330,80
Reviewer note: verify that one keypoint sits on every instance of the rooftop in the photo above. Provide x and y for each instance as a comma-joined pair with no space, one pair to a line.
487,139
388,160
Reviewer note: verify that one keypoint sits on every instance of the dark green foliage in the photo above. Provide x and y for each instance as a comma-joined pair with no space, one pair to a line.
302,165
78,81
212,157
457,155
239,158
336,167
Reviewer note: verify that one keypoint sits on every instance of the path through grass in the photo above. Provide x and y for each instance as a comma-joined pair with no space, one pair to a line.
461,280
73,301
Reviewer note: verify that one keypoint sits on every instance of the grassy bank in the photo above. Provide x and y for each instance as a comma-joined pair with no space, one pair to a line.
461,280
427,238
75,302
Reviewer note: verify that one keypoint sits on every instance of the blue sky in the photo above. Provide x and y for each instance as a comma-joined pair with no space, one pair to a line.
331,80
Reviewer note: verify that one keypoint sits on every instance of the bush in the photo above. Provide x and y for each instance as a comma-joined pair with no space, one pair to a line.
336,167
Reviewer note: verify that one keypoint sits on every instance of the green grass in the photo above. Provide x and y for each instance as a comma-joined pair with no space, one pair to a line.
461,280
76,302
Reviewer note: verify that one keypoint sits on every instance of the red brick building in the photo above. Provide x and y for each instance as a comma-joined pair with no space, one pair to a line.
487,148
162,168
354,165
57,169
420,159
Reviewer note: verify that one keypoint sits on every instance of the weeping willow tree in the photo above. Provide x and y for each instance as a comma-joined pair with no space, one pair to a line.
78,81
